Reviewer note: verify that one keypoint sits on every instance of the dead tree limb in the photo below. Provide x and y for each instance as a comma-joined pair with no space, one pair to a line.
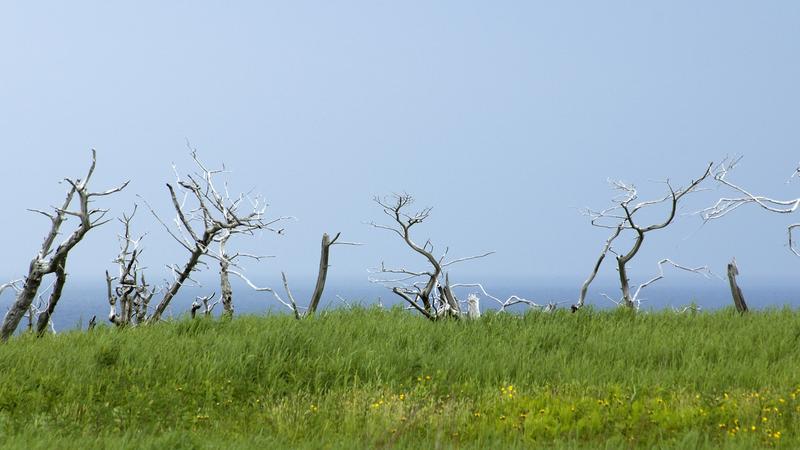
319,288
736,291
131,291
427,291
214,217
205,303
727,205
507,303
621,218
47,260
291,305
58,288
322,274
224,275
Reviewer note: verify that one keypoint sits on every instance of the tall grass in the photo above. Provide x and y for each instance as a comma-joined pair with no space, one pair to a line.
375,378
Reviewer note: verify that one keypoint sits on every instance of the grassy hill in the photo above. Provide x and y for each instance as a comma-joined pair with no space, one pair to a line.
371,378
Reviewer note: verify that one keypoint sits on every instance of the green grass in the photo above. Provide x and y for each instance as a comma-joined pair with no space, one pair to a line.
370,378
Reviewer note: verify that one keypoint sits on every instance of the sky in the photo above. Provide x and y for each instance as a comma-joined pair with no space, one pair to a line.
506,117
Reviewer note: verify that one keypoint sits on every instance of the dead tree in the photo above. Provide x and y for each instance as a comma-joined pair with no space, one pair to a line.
50,261
427,291
727,205
214,216
322,276
131,292
622,219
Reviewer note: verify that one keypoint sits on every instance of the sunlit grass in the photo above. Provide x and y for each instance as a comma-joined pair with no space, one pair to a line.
371,378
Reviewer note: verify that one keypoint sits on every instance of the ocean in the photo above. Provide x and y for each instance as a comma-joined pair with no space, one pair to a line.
81,301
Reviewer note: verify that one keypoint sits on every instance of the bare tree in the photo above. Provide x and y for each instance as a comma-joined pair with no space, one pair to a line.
50,261
213,217
727,205
131,291
743,196
427,291
622,219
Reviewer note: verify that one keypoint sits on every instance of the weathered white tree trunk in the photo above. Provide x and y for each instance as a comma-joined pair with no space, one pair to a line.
473,307
224,276
58,288
218,214
22,304
49,261
453,308
198,251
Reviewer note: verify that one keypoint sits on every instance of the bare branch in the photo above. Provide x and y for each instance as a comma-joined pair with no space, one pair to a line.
467,258
623,217
702,270
510,301
221,218
49,260
290,296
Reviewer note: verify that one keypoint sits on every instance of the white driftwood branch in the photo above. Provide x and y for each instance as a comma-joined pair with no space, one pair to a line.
14,285
702,270
725,206
467,258
428,292
206,215
292,307
510,301
51,260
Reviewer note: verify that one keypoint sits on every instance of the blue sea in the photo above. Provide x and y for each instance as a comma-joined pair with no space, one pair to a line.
80,302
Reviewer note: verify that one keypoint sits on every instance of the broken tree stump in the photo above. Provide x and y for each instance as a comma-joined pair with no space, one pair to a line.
736,291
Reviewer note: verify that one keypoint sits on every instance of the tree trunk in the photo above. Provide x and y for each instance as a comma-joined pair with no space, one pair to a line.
225,288
199,250
224,276
23,302
321,276
455,309
55,296
473,307
624,284
736,291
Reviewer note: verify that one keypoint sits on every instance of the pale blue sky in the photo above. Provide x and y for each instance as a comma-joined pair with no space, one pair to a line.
505,116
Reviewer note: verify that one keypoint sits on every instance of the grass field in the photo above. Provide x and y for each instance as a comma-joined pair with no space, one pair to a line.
370,378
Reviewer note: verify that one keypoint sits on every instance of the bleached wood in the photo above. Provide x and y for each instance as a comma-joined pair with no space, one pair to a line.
727,205
49,260
736,291
424,290
621,218
214,217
